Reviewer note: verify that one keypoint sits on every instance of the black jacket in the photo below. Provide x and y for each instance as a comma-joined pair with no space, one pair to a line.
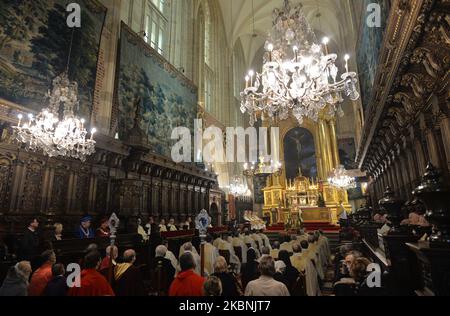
56,287
229,286
29,245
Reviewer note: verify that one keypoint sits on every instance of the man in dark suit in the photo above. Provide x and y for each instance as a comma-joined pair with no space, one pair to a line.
57,286
29,244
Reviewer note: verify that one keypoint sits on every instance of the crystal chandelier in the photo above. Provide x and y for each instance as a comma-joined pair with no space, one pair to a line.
56,131
299,76
57,134
341,179
263,168
237,188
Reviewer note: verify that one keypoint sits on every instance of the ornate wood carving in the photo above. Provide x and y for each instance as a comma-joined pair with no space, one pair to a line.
6,173
414,70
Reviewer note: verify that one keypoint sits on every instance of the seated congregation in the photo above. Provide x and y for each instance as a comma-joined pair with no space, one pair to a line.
230,263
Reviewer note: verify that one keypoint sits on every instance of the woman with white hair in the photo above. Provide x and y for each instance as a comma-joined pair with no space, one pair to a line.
16,282
160,262
58,229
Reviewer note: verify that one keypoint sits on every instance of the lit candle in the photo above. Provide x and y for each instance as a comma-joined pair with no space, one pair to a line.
325,42
295,48
247,78
82,123
93,131
20,116
251,73
270,49
347,58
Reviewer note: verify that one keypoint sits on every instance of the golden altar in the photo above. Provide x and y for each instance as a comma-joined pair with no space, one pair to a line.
311,200
308,200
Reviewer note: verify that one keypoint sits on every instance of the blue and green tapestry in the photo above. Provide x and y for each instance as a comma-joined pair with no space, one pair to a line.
369,47
34,48
168,99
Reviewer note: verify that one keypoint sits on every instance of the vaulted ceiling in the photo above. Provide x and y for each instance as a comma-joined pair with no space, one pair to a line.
249,21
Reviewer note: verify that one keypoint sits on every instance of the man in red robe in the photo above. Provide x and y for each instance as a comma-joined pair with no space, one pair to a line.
92,282
187,283
104,266
43,275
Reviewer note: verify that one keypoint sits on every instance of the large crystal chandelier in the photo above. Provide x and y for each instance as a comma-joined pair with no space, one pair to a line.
341,179
56,131
299,76
55,134
238,189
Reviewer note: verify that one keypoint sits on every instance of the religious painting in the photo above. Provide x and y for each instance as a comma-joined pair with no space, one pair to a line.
168,99
369,47
347,153
35,43
300,154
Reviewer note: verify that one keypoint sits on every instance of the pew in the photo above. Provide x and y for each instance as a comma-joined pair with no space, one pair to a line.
72,250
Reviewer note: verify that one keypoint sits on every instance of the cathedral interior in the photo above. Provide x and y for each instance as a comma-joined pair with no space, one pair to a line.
225,130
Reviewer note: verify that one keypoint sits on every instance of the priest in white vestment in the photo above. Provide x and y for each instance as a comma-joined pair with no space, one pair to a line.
234,260
265,239
188,247
250,241
211,254
303,263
